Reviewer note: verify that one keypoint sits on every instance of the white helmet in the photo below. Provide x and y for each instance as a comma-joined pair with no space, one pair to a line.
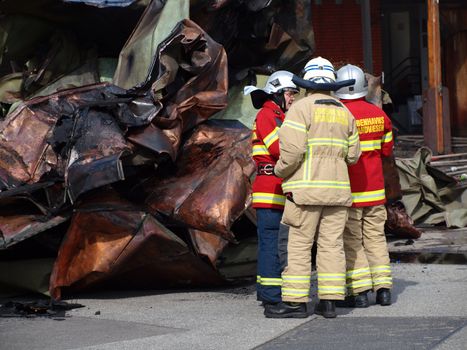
319,70
278,82
357,90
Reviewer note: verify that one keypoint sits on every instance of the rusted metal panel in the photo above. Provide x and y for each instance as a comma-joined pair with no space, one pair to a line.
208,245
111,241
17,228
215,157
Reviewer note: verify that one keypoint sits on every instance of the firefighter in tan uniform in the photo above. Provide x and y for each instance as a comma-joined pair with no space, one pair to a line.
318,139
366,251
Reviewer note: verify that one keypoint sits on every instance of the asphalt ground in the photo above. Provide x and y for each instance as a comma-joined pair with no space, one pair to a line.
429,312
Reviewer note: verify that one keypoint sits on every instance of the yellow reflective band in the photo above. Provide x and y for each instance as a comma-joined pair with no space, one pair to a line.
363,269
271,138
361,283
258,279
328,142
370,145
331,289
270,281
353,139
269,198
358,272
294,125
314,184
383,280
387,137
259,150
295,292
369,196
380,268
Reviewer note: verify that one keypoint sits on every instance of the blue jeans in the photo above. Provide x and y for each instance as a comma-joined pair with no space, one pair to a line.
268,284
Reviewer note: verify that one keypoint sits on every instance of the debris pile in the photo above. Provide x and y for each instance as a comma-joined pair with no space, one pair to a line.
117,165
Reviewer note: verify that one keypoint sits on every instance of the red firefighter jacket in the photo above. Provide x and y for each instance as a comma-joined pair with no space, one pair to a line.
375,130
267,191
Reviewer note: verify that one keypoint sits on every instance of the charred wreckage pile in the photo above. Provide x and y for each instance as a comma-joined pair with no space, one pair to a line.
135,171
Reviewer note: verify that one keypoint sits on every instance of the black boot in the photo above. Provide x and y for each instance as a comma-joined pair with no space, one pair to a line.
286,310
383,297
359,301
326,308
268,304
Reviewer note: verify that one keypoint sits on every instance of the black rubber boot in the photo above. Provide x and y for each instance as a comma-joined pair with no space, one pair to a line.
358,301
286,310
383,297
326,308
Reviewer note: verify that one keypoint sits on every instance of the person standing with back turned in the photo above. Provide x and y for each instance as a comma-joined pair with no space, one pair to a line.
317,140
268,200
366,251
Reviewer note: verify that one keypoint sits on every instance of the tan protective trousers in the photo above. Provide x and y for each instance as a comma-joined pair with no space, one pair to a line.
366,252
303,221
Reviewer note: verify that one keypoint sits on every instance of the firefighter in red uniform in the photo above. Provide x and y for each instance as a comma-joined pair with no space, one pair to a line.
268,200
367,258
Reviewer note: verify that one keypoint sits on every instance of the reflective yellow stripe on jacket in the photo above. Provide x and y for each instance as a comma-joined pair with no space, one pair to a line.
370,145
353,139
387,137
328,142
269,198
259,150
294,125
287,187
271,138
369,196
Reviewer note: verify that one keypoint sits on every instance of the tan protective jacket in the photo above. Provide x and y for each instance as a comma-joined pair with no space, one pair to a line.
317,140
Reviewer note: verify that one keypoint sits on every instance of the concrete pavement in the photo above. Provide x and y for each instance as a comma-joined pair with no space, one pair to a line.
430,312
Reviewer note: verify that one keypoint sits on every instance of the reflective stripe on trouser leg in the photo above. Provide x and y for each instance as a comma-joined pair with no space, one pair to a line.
330,260
375,245
302,221
358,276
268,281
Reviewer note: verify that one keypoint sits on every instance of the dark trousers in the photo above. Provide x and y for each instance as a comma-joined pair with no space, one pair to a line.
269,280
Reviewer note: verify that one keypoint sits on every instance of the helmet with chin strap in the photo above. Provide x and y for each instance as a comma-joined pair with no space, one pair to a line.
357,90
278,83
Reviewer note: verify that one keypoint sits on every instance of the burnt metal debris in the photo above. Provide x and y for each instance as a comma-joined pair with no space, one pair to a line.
144,188
40,308
124,160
